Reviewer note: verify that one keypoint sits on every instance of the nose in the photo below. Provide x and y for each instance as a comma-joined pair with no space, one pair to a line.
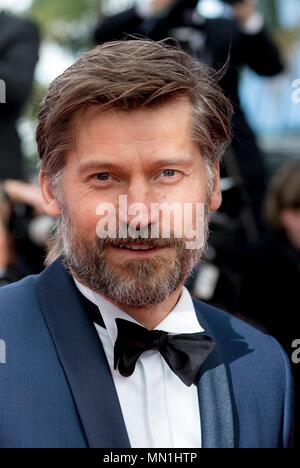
139,211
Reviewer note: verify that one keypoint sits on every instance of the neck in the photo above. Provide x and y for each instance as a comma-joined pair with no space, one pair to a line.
152,315
149,316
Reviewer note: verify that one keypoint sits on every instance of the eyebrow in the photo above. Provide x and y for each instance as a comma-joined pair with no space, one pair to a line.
90,165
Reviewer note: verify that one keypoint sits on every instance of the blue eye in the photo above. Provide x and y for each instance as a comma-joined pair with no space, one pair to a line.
103,176
169,172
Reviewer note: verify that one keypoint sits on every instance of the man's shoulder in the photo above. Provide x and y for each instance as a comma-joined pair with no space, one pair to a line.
238,338
17,296
224,323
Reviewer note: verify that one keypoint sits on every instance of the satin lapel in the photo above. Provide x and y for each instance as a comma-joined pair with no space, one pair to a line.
215,399
83,359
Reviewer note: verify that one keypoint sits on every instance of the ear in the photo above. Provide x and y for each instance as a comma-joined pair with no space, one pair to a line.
216,195
49,201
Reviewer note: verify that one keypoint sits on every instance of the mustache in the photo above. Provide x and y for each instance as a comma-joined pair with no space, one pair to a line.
171,241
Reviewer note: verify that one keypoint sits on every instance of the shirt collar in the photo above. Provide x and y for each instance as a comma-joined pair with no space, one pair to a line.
182,318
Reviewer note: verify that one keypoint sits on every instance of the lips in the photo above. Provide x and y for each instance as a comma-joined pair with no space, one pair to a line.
136,247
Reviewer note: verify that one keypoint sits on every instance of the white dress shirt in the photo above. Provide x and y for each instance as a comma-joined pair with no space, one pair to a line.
159,410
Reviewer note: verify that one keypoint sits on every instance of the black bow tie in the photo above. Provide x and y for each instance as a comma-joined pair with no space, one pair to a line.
184,353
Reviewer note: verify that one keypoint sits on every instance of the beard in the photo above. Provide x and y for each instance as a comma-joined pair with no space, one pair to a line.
128,282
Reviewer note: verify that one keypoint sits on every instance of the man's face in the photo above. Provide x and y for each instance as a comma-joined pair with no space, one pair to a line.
148,156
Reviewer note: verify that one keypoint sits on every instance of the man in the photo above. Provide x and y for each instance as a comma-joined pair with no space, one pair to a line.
19,44
106,348
239,41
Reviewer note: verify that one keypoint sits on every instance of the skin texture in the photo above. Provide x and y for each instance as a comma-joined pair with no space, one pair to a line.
131,152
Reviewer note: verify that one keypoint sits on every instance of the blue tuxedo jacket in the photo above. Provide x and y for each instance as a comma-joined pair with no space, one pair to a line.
56,389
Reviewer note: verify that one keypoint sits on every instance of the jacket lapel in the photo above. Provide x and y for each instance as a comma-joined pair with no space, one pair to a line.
83,359
215,399
87,371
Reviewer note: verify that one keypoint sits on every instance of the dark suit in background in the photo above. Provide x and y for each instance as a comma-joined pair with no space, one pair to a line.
19,43
213,41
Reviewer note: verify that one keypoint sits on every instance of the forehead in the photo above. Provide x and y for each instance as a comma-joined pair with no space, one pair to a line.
167,124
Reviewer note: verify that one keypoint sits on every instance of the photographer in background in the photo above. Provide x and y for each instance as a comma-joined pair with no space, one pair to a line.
19,44
24,231
243,40
6,275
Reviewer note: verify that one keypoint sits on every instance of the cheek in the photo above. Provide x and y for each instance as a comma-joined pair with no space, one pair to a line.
197,186
191,190
195,193
84,220
189,213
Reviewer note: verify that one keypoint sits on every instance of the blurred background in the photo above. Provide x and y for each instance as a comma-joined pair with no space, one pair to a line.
252,266
66,32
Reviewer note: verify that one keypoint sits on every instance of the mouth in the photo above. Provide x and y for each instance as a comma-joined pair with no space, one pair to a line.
138,249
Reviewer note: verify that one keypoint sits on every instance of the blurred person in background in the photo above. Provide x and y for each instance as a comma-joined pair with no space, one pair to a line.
24,230
238,41
271,269
6,274
19,44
